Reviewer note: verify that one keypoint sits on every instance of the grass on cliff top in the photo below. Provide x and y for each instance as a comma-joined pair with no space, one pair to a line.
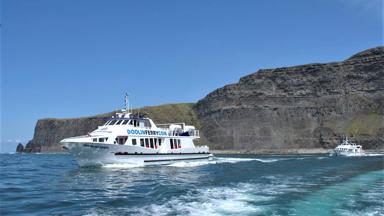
174,113
170,113
166,113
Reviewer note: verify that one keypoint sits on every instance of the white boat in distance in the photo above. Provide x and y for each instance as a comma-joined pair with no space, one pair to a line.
348,148
128,138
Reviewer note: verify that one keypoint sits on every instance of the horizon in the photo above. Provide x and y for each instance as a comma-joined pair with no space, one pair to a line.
60,58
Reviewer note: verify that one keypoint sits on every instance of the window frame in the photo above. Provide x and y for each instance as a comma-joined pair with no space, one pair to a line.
112,122
142,144
151,143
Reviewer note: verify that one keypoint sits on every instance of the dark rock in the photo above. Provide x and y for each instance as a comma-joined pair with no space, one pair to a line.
19,148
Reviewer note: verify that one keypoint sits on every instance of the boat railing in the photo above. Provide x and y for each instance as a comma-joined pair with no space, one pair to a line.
183,131
194,132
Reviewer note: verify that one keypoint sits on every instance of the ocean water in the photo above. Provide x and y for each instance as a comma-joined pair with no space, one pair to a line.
52,184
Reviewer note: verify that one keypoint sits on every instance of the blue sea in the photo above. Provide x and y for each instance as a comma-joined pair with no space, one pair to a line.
52,184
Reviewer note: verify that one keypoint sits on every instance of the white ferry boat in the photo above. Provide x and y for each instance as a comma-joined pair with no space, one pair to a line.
135,139
348,148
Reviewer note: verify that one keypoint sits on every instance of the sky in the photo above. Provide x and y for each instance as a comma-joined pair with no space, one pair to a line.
71,58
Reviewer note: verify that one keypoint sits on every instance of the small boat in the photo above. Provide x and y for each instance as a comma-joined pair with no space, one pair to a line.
348,148
128,138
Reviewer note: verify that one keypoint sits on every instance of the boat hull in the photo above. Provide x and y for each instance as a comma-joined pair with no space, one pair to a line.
347,154
91,154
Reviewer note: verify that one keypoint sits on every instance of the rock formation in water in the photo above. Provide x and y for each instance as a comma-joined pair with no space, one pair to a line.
19,148
307,106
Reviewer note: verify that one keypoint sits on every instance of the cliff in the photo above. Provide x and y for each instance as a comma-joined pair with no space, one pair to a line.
304,107
49,132
307,106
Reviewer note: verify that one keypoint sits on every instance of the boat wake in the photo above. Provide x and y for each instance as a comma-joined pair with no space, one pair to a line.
122,165
220,160
237,200
215,160
373,154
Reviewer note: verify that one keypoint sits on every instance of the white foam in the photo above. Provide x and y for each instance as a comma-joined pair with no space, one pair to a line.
191,163
374,154
123,165
268,160
237,160
8,153
219,160
237,200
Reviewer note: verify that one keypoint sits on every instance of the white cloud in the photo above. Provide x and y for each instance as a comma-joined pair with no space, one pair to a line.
17,140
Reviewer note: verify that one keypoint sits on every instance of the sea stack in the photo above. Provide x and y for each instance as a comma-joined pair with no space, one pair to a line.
19,148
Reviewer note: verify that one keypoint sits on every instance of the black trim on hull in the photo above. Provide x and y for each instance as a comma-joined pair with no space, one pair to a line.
177,159
137,153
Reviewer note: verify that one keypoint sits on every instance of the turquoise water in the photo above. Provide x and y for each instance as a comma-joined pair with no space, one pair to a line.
48,184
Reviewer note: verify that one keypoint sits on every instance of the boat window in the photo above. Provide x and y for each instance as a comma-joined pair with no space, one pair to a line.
142,142
131,122
159,142
112,122
124,122
146,142
179,143
118,122
133,141
171,141
94,140
135,123
151,140
141,124
147,123
106,123
155,140
121,139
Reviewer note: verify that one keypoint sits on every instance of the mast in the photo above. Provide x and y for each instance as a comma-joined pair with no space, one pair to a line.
126,100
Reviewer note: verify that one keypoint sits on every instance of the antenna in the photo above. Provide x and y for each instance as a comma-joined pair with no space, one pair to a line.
126,100
138,111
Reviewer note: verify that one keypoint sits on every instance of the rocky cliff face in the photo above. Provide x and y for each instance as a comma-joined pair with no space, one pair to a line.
49,132
307,106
